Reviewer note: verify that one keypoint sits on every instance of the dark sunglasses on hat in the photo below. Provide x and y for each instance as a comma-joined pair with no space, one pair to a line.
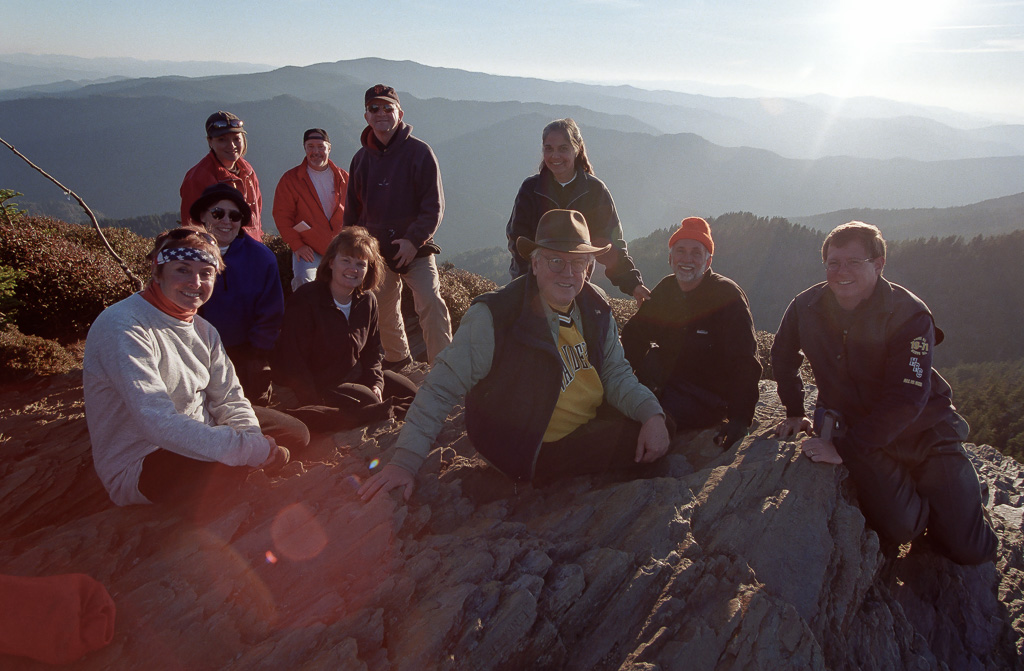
233,215
226,123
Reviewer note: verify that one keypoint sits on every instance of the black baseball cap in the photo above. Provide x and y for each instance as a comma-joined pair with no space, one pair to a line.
315,134
380,92
222,123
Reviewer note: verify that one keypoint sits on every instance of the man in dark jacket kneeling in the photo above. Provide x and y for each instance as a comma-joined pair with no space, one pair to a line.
548,390
882,410
693,341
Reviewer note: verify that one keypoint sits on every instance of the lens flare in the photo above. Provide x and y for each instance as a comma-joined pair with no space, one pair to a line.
297,533
271,557
374,464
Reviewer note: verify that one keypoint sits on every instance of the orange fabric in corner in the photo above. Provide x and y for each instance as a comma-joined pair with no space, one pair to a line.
54,619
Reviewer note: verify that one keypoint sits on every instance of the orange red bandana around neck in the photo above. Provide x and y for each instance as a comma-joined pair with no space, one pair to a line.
155,297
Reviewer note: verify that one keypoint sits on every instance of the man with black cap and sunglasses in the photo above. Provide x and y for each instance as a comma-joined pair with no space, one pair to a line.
394,191
548,390
309,205
225,134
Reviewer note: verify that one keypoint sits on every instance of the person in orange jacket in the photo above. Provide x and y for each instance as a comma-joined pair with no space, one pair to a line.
226,136
309,205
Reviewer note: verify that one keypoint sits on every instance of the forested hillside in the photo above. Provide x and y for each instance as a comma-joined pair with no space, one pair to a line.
991,397
975,287
989,217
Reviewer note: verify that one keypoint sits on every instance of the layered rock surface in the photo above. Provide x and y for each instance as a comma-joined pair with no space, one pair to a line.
754,558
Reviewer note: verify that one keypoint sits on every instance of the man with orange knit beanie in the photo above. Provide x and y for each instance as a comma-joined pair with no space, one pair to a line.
693,341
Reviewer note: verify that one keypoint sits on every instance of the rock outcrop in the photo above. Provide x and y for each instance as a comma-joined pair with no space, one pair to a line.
754,558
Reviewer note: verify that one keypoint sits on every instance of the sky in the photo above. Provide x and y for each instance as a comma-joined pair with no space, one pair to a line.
967,55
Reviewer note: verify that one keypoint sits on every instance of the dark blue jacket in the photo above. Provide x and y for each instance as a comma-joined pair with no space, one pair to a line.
395,192
247,304
873,364
508,411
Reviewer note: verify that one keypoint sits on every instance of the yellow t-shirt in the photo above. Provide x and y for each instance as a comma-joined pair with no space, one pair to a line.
581,392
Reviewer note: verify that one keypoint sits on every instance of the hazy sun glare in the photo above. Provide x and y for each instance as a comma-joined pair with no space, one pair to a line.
891,21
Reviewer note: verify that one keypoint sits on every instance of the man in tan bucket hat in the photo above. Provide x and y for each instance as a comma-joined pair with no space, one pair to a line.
548,390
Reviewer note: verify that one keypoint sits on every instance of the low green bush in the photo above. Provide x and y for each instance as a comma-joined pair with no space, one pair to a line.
9,302
69,276
23,356
10,212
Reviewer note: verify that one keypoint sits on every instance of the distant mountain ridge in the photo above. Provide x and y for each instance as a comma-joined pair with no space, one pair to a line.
37,72
989,217
125,145
809,128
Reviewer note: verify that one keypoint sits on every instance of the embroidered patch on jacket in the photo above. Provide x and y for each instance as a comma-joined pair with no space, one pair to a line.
915,365
919,346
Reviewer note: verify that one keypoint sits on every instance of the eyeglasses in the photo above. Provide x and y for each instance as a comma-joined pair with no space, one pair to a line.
182,233
233,215
557,264
373,109
834,266
227,123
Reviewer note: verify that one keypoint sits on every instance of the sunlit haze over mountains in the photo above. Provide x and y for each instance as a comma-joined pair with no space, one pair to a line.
965,55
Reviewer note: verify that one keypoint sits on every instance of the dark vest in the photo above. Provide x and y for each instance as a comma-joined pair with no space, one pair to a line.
508,411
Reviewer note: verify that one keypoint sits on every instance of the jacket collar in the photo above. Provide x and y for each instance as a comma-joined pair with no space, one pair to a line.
548,186
244,169
402,134
305,167
881,297
327,298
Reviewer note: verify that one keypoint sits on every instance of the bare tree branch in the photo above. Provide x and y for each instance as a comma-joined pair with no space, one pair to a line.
95,224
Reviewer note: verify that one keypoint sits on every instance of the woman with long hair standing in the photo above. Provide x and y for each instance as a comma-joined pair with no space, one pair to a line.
566,181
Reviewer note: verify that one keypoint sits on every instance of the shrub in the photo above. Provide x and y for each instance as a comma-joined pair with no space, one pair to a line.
459,288
764,355
623,310
284,260
22,356
69,277
8,301
9,212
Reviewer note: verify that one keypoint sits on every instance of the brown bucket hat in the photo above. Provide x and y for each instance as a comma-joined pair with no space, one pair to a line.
561,231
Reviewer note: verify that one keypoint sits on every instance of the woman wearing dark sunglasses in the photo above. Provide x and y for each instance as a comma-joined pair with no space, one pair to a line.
224,164
247,305
168,421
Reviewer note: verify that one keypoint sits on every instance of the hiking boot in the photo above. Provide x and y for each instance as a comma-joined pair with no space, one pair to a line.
396,365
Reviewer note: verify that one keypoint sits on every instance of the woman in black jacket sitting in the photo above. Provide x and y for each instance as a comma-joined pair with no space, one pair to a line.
329,352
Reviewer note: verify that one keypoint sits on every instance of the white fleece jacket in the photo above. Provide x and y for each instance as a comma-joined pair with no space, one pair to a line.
153,381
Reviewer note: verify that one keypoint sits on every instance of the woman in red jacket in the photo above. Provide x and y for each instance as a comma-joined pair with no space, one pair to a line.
225,133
